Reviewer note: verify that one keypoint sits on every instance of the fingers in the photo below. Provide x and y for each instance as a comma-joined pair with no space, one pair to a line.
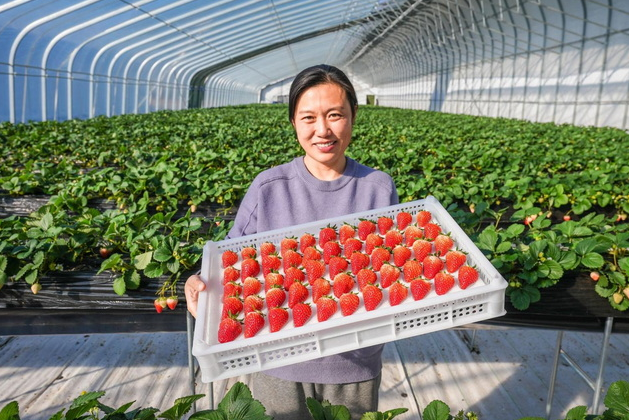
193,286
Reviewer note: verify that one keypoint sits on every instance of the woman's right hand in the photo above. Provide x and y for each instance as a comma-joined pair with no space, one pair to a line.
193,286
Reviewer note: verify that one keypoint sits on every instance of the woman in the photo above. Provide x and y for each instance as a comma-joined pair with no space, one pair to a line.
324,183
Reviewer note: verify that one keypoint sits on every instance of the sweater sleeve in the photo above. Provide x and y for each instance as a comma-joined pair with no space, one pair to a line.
246,219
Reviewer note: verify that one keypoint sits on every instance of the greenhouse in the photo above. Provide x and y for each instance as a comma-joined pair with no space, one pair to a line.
461,207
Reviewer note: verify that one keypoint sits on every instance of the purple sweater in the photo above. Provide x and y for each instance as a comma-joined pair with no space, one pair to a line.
288,195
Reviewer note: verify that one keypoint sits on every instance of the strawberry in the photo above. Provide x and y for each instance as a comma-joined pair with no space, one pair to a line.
423,218
397,293
349,303
594,275
337,265
276,296
411,234
293,274
311,253
455,260
251,286
232,306
172,302
253,303
372,296
467,276
393,238
401,254
288,243
346,231
372,242
249,268
411,270
248,252
403,219
331,249
278,317
343,283
301,314
379,256
228,330
420,288
431,230
327,234
314,270
273,279
359,261
365,227
365,277
267,248
270,262
388,274
297,293
306,240
422,248
159,303
432,265
320,287
443,283
230,274
229,258
326,307
232,289
384,224
254,321
443,244
352,245
291,258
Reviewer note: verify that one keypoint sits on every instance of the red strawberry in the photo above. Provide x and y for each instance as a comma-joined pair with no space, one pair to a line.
249,268
359,261
326,307
159,303
253,303
229,258
314,270
346,231
327,234
349,303
411,234
320,287
273,279
343,283
337,265
455,260
306,240
379,256
248,252
228,330
254,321
403,219
393,238
331,249
372,242
278,317
301,314
401,254
432,230
293,274
232,289
352,245
297,293
288,243
388,274
412,269
230,274
420,288
251,286
384,224
372,296
365,277
422,248
312,253
432,265
443,283
397,293
467,276
291,258
365,227
270,262
443,244
267,248
172,302
276,296
423,218
232,306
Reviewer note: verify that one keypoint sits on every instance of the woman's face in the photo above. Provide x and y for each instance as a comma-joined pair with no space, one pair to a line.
323,123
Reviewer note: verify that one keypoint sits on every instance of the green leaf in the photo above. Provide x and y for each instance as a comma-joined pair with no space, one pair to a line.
3,263
11,411
623,263
119,285
503,247
162,254
577,413
515,230
113,261
83,404
142,260
592,260
180,407
488,239
550,269
153,270
617,397
522,298
132,279
436,410
209,415
585,246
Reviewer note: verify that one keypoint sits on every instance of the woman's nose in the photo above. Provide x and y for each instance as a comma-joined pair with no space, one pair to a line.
322,127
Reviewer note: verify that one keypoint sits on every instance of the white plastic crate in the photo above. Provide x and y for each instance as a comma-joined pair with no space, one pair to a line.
482,300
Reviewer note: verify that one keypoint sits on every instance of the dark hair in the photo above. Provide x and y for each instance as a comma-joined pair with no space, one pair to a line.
319,75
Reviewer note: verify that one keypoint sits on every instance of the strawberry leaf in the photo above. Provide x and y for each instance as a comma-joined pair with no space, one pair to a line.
617,398
436,410
180,408
142,260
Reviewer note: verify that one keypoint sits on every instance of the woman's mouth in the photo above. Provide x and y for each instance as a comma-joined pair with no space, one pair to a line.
324,147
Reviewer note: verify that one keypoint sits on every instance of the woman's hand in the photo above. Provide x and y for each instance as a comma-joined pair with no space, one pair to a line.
193,286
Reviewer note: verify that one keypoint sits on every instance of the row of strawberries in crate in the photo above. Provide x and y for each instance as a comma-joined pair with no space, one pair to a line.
338,270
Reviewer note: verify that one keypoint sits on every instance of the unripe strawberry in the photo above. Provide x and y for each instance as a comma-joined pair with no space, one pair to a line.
594,275
617,298
172,302
35,288
160,304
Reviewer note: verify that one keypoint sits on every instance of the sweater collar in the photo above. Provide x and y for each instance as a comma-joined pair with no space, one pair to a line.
311,180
